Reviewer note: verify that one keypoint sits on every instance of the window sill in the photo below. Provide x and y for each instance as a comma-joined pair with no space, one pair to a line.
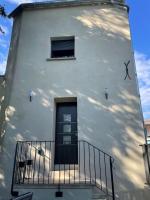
63,58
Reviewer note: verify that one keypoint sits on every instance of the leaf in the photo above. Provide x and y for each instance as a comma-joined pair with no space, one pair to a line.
2,11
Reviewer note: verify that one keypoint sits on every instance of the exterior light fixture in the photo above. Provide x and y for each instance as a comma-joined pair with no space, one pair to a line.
30,95
106,93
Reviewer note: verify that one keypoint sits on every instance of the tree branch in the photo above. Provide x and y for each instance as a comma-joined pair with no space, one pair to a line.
3,14
2,11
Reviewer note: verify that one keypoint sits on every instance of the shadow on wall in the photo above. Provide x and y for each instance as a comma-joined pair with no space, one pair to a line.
125,148
112,24
120,110
2,102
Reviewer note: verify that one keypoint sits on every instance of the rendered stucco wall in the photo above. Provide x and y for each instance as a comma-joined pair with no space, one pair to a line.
2,98
102,45
7,80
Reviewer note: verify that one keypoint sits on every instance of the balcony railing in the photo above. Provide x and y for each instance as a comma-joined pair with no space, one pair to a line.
34,165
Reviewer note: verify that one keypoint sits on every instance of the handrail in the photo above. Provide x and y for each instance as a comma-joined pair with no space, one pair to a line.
97,148
146,156
35,164
28,141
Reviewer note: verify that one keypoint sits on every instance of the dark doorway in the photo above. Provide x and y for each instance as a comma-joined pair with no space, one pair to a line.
66,148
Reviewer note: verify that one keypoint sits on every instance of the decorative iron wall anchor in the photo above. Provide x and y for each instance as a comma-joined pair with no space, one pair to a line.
127,70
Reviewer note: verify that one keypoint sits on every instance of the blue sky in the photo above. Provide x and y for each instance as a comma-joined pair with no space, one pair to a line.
139,20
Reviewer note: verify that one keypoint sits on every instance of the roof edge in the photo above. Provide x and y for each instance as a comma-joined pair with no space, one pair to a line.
62,4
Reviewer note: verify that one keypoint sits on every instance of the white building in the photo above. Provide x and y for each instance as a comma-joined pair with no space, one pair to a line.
70,94
147,130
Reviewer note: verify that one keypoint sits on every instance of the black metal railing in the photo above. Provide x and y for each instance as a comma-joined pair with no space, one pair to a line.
115,1
146,156
34,164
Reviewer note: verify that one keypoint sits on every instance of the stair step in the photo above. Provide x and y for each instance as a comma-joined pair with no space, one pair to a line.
99,197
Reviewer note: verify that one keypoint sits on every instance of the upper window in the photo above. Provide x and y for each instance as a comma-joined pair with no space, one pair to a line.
62,47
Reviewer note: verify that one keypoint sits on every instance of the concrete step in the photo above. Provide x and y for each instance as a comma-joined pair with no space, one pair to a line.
99,197
97,194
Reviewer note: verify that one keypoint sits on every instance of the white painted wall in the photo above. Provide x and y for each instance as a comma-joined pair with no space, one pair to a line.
102,45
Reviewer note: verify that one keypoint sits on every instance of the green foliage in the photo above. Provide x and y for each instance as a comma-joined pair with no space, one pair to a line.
3,14
2,11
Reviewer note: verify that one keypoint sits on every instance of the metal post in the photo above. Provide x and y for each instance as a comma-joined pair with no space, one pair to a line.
112,179
148,162
14,193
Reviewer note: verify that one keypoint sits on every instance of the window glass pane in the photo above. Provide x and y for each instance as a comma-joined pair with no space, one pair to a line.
62,47
66,139
67,117
67,128
60,127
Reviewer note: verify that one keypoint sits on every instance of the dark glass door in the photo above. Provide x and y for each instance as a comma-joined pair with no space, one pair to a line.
66,148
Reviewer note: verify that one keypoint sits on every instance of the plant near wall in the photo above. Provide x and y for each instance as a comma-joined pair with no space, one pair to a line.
2,14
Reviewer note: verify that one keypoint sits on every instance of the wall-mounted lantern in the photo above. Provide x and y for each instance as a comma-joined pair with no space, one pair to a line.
106,93
30,95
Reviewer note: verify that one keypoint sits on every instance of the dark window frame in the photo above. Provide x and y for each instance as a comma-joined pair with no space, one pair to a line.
73,146
62,47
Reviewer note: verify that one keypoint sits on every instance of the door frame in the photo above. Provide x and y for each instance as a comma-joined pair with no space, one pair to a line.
61,100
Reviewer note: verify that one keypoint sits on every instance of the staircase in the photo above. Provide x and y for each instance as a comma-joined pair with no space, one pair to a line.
34,165
26,196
